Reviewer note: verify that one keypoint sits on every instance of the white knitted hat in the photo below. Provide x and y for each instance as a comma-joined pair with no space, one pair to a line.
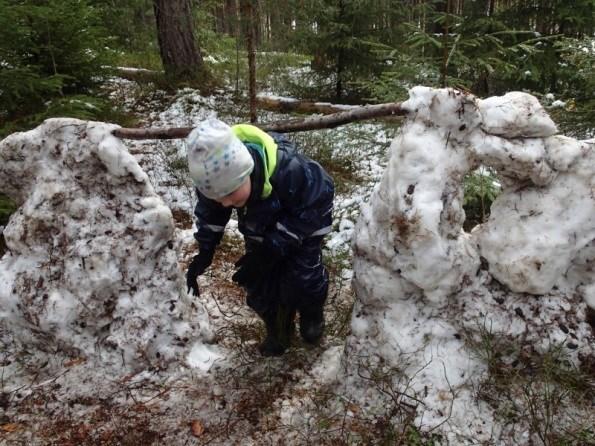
218,161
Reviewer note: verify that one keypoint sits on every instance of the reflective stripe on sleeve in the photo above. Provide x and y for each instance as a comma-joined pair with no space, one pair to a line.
282,228
215,228
256,238
321,231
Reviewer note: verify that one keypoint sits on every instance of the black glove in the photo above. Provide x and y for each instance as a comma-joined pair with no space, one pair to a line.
249,267
254,268
199,264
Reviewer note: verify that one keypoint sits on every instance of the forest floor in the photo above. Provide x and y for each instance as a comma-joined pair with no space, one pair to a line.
244,398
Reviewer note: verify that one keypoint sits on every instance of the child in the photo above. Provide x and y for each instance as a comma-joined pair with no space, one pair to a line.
284,205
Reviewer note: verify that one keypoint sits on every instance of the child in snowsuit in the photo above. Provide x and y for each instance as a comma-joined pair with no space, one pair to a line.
284,206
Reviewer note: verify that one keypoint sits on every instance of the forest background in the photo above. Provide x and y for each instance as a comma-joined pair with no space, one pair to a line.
55,56
187,58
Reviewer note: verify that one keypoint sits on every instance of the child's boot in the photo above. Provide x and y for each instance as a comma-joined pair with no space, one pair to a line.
279,323
312,322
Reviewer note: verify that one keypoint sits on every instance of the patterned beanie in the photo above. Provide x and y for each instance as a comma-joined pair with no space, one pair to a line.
218,161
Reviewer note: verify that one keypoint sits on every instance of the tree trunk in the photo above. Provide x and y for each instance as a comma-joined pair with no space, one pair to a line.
339,72
490,8
179,53
219,14
440,8
278,27
288,105
444,70
248,13
231,18
340,64
256,23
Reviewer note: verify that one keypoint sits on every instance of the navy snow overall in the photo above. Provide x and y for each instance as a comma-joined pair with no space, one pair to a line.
283,223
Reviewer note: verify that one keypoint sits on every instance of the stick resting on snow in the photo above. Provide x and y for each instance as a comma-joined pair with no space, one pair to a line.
291,125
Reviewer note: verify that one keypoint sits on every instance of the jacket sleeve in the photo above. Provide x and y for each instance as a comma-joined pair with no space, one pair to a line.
211,219
306,194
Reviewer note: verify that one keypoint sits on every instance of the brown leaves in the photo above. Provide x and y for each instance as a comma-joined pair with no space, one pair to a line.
74,362
197,428
353,407
10,427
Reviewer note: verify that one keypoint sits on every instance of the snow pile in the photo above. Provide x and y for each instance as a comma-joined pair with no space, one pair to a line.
422,283
91,270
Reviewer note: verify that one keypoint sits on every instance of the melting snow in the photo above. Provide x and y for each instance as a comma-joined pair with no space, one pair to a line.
423,285
421,281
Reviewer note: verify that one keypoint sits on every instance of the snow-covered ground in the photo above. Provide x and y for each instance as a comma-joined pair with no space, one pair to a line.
243,399
225,393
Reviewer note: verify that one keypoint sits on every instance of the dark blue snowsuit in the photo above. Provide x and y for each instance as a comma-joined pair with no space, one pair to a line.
289,225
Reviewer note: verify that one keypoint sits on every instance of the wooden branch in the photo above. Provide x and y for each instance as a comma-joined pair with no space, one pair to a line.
292,125
289,105
335,119
152,133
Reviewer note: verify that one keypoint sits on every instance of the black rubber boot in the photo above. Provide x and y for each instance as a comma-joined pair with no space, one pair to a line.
312,323
280,326
271,347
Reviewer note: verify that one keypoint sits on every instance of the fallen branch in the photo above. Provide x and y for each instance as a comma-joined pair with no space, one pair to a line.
336,119
290,105
292,125
153,133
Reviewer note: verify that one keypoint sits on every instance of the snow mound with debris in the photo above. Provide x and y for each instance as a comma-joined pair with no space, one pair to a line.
91,271
422,283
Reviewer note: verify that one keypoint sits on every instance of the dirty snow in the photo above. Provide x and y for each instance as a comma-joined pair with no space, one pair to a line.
422,283
406,318
90,270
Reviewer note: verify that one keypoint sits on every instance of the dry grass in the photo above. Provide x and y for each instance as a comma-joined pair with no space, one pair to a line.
544,390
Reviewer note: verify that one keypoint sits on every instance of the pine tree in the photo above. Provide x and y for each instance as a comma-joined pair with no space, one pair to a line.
130,23
180,54
339,34
47,49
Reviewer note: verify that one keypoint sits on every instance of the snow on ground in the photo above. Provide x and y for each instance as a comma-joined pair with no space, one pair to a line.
311,395
242,398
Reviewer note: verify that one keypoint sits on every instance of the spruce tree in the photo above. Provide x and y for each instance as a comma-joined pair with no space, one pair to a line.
47,50
339,34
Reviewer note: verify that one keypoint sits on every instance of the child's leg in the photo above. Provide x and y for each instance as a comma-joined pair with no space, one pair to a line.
279,321
310,288
265,295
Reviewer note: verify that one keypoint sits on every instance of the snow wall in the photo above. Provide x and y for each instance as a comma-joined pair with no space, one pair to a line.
423,285
91,270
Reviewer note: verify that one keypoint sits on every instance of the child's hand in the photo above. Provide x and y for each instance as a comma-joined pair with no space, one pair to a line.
256,271
199,264
250,267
